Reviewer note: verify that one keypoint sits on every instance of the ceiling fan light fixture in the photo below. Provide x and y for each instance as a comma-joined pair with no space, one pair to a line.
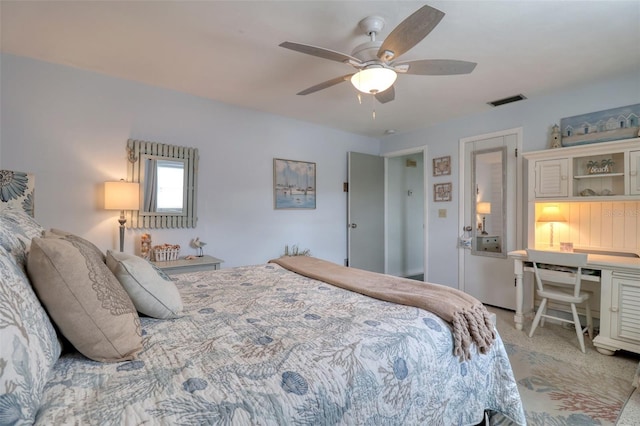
374,79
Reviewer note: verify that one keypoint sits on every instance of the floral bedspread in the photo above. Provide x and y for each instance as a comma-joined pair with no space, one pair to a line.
260,345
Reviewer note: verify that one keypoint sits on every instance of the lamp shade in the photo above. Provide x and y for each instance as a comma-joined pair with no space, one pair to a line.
483,208
373,79
121,195
551,214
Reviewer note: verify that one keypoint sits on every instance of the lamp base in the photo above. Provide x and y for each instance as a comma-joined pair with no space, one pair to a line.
122,221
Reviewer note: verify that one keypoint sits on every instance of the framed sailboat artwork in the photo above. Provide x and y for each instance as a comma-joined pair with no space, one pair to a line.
294,184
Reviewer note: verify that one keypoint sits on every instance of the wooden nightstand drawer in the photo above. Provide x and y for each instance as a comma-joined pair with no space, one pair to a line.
204,263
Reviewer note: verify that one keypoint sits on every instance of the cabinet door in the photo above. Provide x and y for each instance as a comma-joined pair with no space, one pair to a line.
625,307
552,178
634,173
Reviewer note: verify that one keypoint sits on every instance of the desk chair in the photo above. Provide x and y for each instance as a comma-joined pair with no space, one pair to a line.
558,278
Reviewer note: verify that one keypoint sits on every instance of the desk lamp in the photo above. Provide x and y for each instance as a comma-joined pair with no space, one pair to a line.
551,214
121,196
484,208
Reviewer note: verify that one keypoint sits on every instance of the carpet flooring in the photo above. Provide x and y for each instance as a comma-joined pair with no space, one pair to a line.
559,385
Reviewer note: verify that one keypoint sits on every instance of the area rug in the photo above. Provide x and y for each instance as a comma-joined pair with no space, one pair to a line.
556,392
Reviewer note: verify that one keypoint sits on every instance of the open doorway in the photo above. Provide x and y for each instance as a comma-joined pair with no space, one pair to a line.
405,211
387,213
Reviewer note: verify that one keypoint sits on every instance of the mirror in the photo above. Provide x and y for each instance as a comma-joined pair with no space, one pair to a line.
488,206
167,175
163,185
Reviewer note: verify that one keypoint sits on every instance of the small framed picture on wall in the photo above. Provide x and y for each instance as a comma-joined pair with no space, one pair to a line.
442,191
442,166
294,184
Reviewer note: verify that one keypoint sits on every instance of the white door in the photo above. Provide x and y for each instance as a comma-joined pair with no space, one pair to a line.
365,217
490,278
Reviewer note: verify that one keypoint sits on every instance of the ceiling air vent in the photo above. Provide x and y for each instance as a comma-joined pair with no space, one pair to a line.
508,100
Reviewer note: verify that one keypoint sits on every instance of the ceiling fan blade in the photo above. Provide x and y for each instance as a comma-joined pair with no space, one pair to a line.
320,52
325,84
386,96
410,32
437,67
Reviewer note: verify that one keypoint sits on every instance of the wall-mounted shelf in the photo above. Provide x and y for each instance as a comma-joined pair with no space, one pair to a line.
598,176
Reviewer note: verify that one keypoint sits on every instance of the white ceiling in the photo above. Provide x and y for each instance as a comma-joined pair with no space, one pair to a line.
228,51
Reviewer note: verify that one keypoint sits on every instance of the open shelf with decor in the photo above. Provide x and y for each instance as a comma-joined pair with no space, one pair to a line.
599,175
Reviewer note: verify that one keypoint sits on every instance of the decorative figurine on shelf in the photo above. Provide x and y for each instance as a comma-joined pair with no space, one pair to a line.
555,137
145,246
198,245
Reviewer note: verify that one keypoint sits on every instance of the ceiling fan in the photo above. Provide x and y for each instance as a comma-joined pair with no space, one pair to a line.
376,61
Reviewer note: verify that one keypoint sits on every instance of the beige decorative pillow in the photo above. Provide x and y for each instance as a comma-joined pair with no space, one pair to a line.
84,299
151,290
57,233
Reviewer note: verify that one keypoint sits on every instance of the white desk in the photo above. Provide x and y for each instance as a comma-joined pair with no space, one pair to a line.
619,301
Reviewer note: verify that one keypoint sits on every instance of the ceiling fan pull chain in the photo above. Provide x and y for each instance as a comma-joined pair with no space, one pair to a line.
373,105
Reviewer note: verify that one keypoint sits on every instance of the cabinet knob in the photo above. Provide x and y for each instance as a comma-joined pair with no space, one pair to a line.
563,177
614,309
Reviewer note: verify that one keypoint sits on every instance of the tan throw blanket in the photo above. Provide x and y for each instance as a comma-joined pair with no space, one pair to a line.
468,317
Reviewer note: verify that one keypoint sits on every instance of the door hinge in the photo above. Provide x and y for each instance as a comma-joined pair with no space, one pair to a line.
516,152
345,187
515,282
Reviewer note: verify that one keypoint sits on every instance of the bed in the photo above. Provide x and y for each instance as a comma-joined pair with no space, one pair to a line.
251,345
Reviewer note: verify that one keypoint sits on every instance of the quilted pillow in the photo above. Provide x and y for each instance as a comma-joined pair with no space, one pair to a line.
151,290
84,299
17,229
28,345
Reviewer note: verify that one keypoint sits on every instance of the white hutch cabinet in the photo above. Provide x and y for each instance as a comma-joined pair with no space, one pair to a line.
585,172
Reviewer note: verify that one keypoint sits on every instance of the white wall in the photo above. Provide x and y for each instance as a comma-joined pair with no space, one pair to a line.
70,128
535,116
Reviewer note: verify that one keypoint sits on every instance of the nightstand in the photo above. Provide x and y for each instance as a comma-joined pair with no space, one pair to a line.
204,263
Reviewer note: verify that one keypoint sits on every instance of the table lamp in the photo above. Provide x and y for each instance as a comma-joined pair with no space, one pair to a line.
484,208
121,196
551,214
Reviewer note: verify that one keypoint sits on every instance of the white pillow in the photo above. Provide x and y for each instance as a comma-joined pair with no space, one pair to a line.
151,290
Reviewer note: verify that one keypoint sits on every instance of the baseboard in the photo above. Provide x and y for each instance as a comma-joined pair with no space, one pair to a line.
413,272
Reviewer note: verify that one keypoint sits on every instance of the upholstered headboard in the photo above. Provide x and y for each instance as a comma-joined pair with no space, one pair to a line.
17,191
